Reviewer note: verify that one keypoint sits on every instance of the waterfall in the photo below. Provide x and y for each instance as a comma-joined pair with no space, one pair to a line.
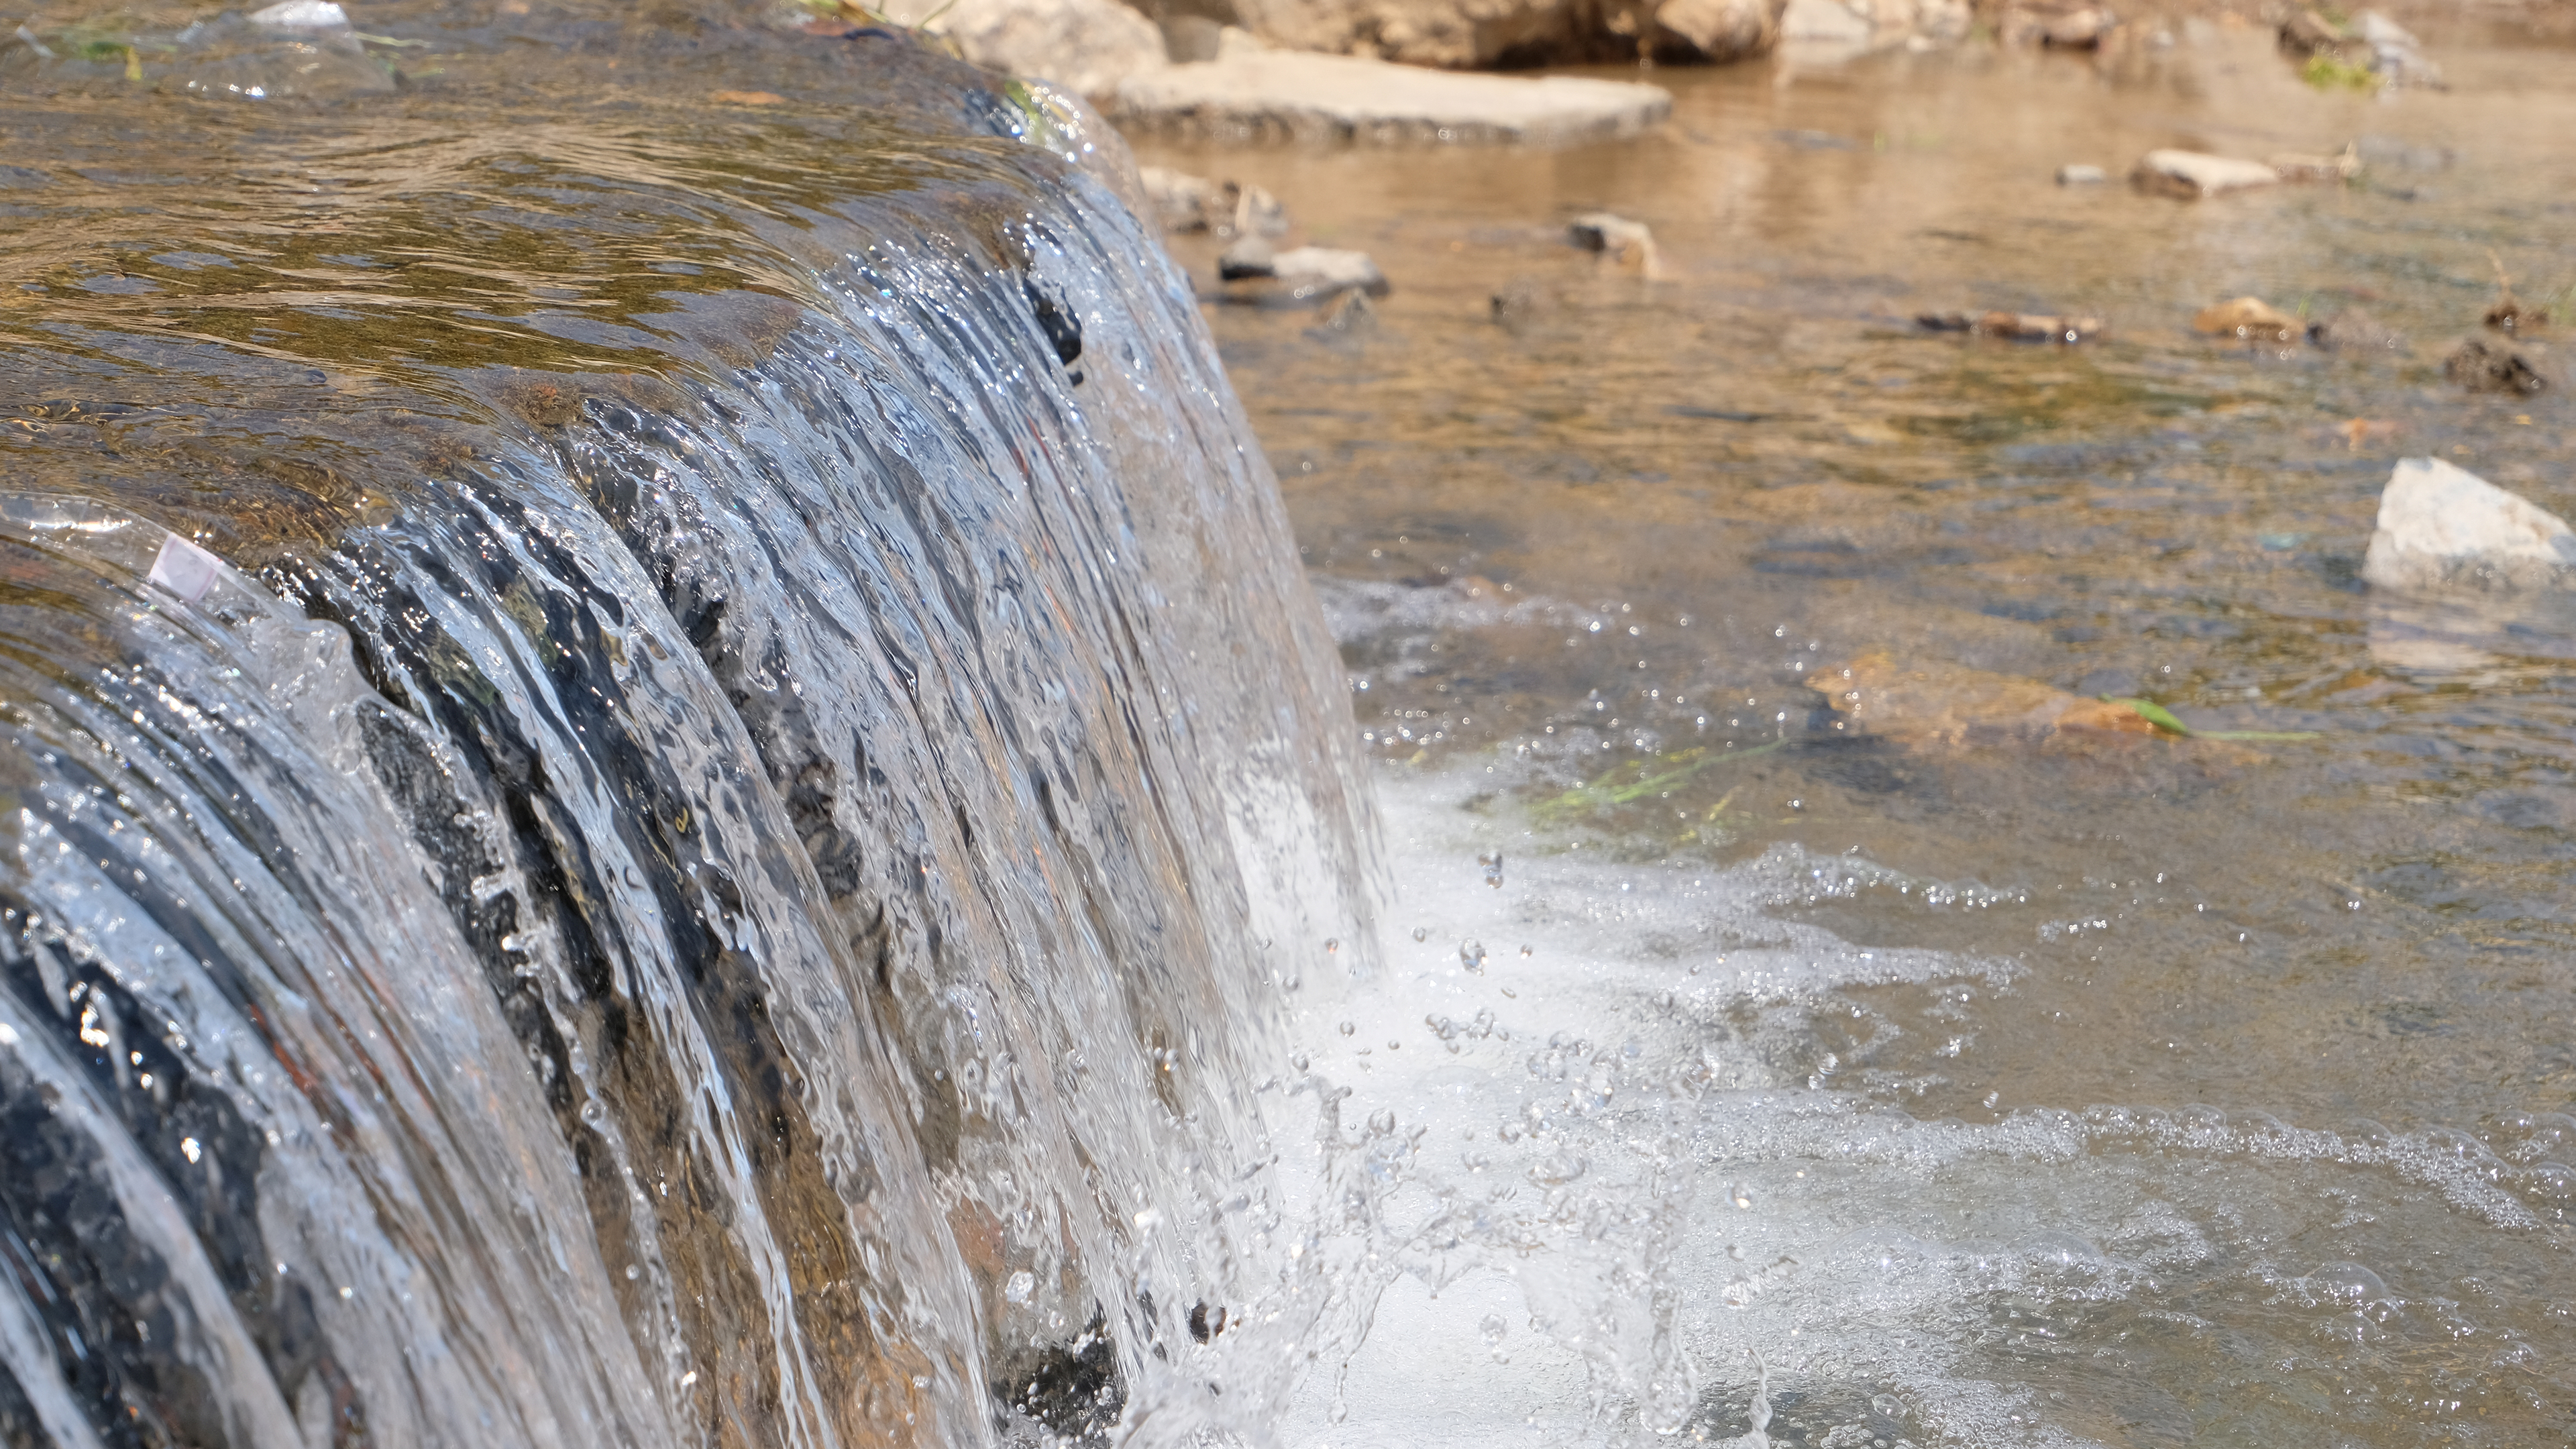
665,759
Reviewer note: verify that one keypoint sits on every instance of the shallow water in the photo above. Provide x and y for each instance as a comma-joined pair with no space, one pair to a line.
2055,1077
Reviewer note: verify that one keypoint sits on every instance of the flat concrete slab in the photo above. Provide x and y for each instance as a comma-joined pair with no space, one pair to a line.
1278,95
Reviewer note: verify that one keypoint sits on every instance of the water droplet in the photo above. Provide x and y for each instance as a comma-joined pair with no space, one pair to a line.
1471,954
1349,1028
1422,933
1020,1286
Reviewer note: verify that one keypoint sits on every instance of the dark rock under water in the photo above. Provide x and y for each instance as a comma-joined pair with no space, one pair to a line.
715,865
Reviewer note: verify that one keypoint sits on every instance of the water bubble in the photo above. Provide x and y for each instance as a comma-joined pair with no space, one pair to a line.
1382,1121
1525,950
2552,1188
2349,1282
1740,1195
1349,1028
1471,954
1300,1061
1422,933
1494,1328
1019,1286
2199,1117
1332,945
2535,1135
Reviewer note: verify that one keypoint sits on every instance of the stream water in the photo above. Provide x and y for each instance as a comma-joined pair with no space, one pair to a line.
1972,1086
670,778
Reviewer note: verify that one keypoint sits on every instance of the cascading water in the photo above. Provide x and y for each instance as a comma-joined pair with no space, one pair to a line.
714,863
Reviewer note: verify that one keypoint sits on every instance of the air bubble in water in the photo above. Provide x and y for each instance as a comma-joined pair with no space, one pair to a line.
1349,1028
1740,1195
1471,954
2349,1281
1422,933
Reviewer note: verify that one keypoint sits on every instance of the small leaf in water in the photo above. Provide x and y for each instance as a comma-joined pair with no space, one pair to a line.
2152,712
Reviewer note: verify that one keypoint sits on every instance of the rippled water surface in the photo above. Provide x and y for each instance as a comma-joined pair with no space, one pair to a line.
2026,1089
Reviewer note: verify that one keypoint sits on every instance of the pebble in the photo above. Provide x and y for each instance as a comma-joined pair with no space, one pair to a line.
2081,176
2249,319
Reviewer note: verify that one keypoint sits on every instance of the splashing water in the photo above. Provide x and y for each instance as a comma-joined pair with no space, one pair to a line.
715,862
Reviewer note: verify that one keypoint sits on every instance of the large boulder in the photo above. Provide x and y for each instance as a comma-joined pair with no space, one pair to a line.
2444,527
1085,46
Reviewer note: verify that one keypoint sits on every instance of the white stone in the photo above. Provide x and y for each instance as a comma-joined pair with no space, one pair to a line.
1827,22
2442,526
1311,272
302,15
2197,174
1249,93
1086,46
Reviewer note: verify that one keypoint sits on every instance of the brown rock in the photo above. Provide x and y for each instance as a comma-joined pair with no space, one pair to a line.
2514,315
2354,330
1945,706
2015,326
2309,32
2249,319
2482,367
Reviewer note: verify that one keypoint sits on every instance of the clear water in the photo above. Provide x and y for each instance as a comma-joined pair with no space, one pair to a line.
2111,1090
743,851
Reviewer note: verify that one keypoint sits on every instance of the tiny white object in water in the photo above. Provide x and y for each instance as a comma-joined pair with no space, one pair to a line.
184,569
2442,526
302,15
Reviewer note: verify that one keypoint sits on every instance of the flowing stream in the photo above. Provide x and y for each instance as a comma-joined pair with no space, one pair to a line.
661,745
673,776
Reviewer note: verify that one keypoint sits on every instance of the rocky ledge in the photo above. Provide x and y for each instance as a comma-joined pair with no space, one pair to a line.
1249,93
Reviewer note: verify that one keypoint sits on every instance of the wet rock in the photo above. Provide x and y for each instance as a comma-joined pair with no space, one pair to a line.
1628,244
1186,203
1304,274
1351,312
1825,22
1252,93
1182,202
2441,526
2014,326
1086,46
2308,32
2511,314
2248,319
1948,707
2062,27
1717,30
2296,166
1246,260
2354,330
2193,175
2081,176
2481,366
302,15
